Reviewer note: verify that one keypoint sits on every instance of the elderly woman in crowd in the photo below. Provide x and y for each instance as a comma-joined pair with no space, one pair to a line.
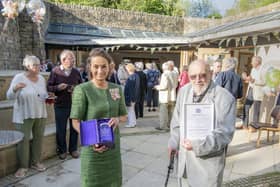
97,99
184,76
122,72
28,89
131,93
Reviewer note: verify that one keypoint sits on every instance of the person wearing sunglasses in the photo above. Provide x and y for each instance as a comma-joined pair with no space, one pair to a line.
202,160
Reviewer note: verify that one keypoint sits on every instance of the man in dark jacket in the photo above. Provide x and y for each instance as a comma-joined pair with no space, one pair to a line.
139,106
62,80
228,79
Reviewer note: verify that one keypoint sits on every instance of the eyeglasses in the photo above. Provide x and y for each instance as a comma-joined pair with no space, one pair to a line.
199,76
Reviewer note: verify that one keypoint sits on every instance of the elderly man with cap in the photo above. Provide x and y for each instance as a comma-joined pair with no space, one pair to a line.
202,160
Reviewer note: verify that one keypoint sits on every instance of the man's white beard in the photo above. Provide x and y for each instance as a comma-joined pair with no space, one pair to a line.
199,91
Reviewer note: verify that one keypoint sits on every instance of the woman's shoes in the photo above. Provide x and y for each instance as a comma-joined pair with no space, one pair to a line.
62,156
75,154
130,126
38,166
21,172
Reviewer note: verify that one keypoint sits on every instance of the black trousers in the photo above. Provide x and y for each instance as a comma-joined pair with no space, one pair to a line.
248,104
61,118
139,108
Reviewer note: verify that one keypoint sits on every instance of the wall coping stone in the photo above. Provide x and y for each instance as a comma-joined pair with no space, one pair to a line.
6,73
6,104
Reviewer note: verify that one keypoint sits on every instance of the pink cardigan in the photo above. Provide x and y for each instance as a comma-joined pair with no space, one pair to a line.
183,78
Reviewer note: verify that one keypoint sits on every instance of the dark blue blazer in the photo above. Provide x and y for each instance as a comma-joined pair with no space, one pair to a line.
230,81
131,89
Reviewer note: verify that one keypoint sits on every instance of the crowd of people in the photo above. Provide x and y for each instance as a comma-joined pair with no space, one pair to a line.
98,90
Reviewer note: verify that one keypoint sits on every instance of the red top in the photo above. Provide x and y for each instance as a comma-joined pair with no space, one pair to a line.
183,78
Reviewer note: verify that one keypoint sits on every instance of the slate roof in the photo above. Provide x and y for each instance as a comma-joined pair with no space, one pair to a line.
72,33
272,16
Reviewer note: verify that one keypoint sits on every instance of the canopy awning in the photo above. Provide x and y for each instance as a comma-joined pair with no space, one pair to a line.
258,30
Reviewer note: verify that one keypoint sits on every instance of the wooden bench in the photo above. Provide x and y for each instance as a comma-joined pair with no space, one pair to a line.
275,115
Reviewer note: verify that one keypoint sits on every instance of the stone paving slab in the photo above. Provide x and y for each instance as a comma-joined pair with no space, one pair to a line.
143,166
10,180
265,180
146,178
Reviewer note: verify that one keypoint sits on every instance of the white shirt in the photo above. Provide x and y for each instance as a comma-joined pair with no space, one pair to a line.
258,84
164,88
30,100
66,71
174,76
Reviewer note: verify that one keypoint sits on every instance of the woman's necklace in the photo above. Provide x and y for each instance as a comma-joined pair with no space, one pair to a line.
33,80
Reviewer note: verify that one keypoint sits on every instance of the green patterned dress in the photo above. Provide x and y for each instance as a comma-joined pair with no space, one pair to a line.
89,102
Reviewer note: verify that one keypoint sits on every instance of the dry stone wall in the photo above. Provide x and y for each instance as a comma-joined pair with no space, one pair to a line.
22,37
76,14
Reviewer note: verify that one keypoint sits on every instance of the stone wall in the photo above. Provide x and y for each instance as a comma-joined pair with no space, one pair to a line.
10,52
77,14
30,40
22,37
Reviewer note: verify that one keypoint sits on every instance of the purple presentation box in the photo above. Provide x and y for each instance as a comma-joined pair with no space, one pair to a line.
97,131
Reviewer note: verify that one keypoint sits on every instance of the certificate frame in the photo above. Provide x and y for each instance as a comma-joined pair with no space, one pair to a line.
198,120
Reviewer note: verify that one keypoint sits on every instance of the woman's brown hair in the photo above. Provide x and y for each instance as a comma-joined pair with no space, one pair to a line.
98,52
101,53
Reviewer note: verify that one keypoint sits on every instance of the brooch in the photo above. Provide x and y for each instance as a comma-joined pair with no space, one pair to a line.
115,93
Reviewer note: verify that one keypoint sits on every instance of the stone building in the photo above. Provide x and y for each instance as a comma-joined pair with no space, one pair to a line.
66,26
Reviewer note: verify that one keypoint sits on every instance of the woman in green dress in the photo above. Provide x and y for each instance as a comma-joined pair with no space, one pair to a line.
98,99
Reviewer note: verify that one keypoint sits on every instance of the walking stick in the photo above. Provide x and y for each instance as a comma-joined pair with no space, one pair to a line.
170,167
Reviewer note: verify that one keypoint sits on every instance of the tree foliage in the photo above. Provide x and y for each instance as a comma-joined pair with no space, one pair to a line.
164,7
203,8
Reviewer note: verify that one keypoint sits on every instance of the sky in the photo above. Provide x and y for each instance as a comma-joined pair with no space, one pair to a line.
223,5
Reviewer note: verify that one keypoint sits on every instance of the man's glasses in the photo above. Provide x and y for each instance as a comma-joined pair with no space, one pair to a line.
199,76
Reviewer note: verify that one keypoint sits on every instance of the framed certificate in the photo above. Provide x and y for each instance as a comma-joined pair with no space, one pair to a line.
198,120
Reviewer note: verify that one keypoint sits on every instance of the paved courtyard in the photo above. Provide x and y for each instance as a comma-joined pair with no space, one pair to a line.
144,155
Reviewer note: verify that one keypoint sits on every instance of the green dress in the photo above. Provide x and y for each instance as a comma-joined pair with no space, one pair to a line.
90,102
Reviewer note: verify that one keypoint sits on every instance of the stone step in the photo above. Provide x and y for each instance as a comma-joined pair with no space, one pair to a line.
6,115
9,163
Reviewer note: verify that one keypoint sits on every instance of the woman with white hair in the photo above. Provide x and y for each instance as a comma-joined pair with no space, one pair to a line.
131,94
28,89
